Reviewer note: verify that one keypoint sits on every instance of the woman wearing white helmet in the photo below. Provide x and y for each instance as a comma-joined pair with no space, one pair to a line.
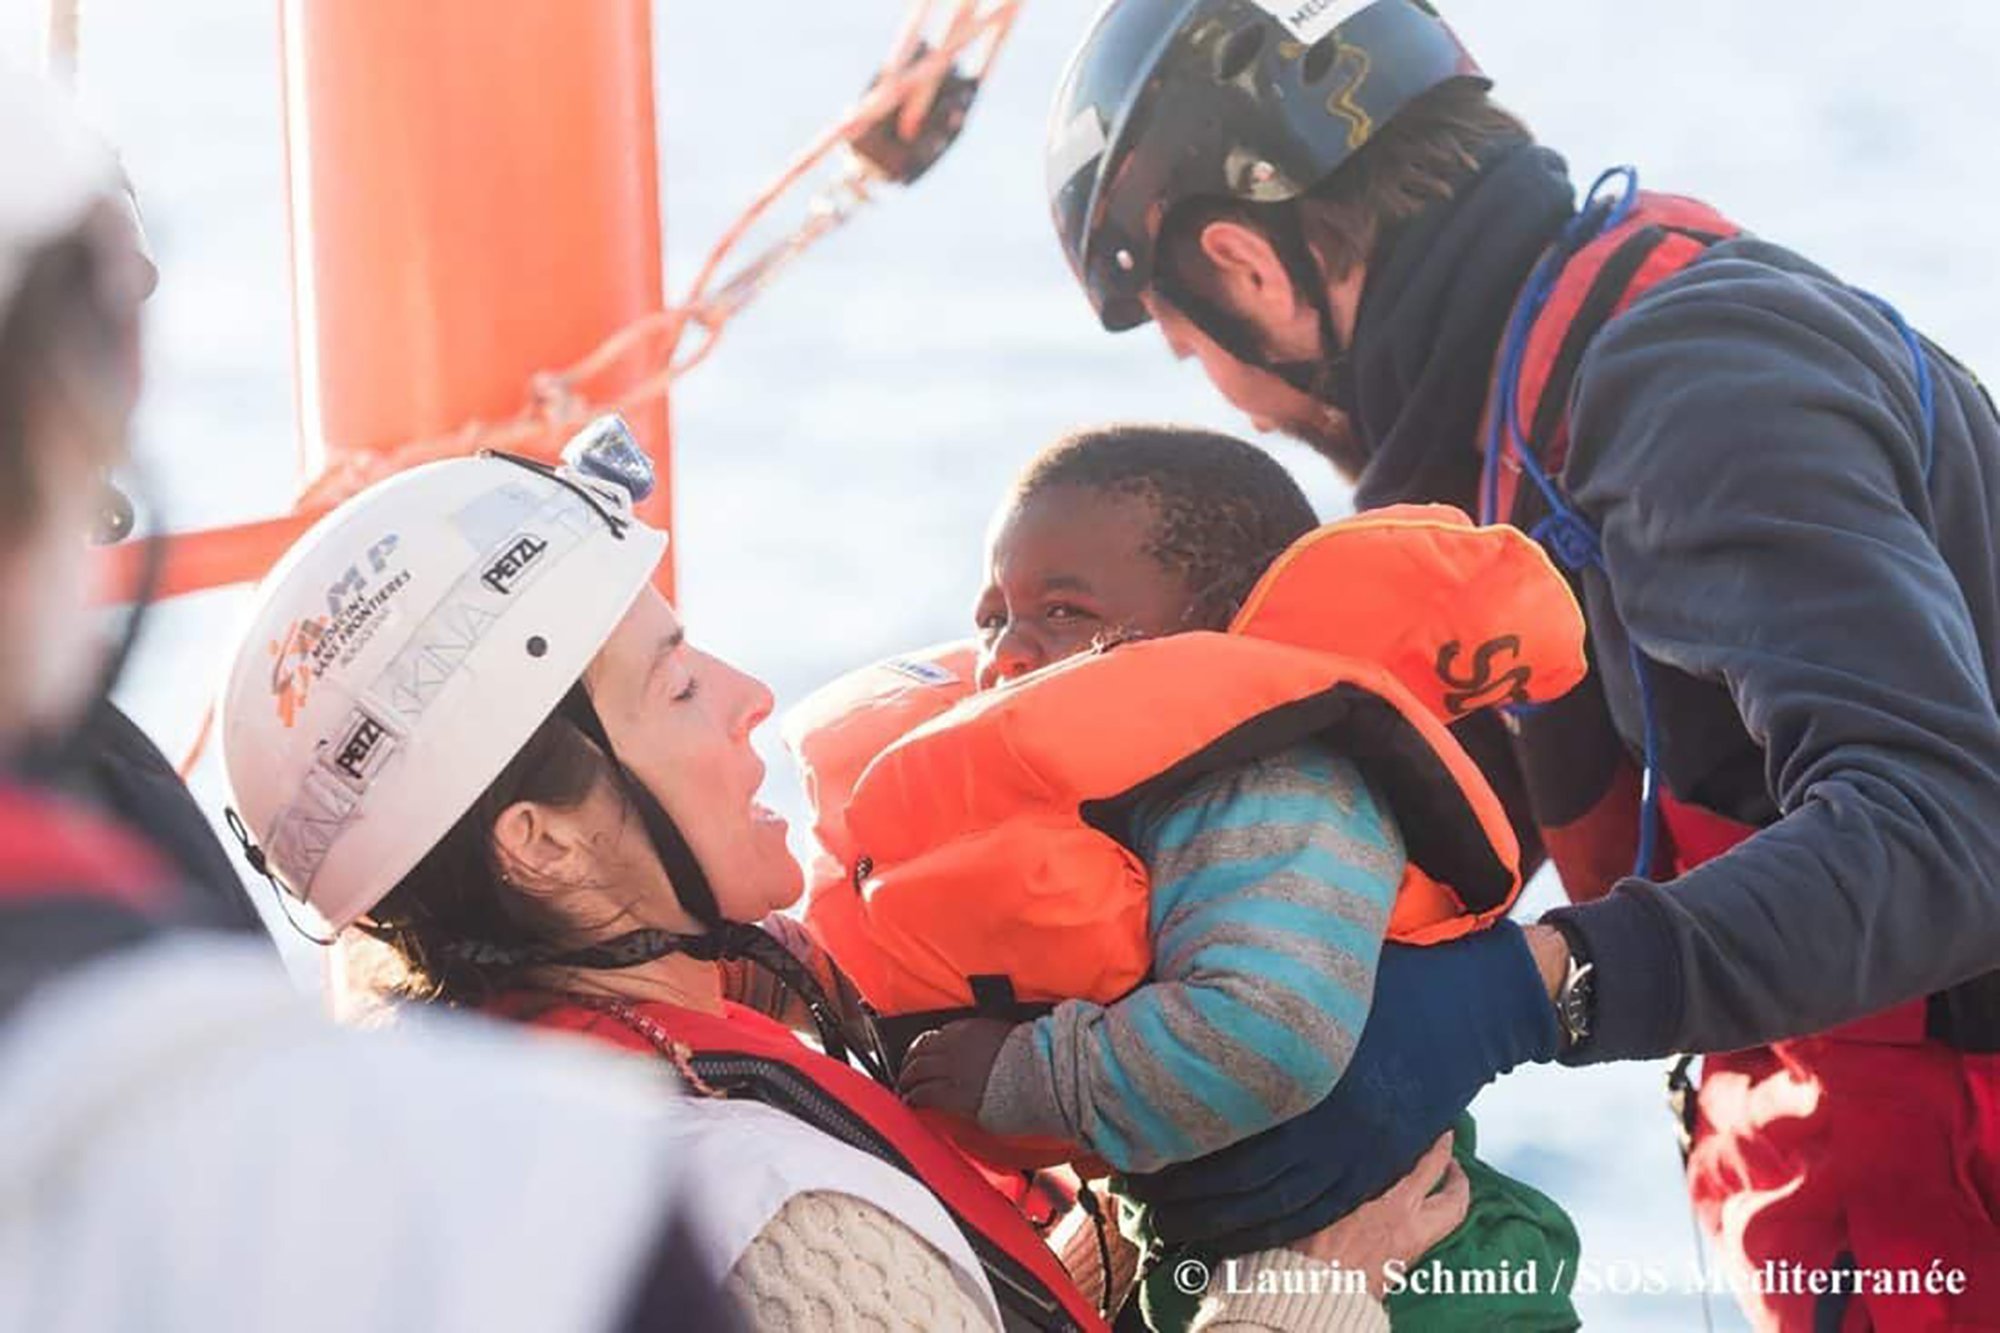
465,724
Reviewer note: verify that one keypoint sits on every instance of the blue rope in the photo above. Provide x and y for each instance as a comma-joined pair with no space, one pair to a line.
1504,435
1503,430
1926,390
1565,533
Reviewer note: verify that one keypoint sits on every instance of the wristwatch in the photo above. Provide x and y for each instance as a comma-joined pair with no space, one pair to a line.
1576,998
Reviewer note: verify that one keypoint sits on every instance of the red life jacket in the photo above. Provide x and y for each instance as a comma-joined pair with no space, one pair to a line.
1662,235
1785,1159
744,1054
50,848
72,889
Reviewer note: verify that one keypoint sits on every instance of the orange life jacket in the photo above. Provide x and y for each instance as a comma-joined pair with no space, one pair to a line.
976,845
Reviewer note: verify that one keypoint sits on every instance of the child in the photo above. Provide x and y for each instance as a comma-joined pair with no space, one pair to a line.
1286,862
1272,876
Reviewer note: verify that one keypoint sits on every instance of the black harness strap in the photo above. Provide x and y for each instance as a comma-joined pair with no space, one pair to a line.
684,872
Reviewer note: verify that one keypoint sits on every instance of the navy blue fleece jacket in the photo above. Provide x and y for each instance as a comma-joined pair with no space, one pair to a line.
1825,620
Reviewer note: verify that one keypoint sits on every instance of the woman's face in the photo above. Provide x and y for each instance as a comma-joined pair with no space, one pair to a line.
681,721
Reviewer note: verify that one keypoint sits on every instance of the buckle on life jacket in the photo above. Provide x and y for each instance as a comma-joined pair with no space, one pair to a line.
992,997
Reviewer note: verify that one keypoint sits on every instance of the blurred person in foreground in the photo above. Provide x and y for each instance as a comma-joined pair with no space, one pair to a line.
186,1143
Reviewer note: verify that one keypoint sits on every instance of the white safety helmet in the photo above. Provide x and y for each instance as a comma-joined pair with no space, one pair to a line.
411,643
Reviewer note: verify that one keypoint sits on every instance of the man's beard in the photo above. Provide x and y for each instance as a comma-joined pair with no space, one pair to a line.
1330,433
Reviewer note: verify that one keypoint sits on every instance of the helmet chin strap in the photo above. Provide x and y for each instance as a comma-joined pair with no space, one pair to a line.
720,939
1324,377
684,872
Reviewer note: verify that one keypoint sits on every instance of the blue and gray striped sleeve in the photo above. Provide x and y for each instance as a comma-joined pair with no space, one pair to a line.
1272,885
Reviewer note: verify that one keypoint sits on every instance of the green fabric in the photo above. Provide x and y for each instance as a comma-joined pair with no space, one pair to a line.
1508,1222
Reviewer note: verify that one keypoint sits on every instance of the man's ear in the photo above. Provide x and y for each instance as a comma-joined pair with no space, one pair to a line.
538,845
1247,273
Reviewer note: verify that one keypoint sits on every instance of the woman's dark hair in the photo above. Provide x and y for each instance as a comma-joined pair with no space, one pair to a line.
1223,510
70,325
460,892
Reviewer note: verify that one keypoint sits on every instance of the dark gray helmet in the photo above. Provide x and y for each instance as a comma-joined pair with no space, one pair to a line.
1169,100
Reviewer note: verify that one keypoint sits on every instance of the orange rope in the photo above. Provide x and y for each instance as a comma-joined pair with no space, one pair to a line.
908,35
561,400
194,750
922,78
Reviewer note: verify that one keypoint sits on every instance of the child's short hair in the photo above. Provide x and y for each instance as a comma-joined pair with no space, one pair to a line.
1224,509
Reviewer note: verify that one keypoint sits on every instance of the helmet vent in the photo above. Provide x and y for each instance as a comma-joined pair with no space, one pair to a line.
1238,52
1319,58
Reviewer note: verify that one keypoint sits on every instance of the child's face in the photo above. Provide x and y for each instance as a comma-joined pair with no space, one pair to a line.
1065,570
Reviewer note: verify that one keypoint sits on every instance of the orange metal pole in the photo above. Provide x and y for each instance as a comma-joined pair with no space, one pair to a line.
474,199
213,559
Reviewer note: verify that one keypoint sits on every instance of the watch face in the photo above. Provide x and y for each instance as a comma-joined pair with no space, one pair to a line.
1575,1016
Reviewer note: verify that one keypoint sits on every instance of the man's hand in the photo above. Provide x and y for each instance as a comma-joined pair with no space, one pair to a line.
1551,953
1414,1214
947,1070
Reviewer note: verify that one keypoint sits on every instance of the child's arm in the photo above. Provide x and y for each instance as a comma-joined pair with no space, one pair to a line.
1271,891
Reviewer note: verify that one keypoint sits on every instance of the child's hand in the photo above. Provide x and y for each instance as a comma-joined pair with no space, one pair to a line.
947,1070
